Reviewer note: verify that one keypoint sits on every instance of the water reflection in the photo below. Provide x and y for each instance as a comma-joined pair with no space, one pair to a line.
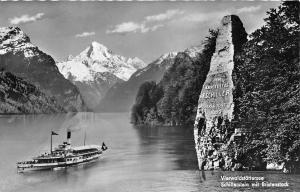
153,159
175,143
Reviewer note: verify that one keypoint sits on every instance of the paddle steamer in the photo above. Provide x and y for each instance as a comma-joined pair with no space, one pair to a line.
63,156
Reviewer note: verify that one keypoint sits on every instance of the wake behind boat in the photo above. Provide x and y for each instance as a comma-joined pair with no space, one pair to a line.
63,156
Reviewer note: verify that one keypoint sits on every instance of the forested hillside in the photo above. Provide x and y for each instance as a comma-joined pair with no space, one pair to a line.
121,96
173,101
25,60
267,97
19,96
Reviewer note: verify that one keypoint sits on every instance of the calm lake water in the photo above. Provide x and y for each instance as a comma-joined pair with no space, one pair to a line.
138,159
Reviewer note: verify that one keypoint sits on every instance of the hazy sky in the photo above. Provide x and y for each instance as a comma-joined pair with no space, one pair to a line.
142,29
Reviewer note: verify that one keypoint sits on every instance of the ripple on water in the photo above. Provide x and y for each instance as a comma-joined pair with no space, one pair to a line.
138,159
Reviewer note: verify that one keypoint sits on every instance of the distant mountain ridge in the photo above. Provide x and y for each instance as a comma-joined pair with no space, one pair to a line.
20,57
160,62
97,58
96,69
120,97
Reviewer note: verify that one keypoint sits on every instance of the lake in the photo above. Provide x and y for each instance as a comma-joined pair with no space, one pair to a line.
158,159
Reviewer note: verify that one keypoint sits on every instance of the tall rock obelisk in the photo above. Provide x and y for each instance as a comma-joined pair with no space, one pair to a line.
215,105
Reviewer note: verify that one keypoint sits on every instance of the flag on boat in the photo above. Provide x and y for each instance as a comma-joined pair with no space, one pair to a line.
53,133
104,147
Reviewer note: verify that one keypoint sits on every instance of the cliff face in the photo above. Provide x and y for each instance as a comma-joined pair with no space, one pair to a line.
212,130
20,57
19,96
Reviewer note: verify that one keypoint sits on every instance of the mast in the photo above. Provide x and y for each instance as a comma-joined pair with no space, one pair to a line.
51,143
85,127
84,137
52,133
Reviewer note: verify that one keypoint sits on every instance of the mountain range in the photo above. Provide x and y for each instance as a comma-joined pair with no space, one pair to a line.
121,96
25,60
96,78
172,99
96,69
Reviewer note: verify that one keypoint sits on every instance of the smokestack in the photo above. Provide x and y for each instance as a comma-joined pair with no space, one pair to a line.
69,138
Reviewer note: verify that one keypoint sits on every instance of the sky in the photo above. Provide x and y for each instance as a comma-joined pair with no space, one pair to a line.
133,29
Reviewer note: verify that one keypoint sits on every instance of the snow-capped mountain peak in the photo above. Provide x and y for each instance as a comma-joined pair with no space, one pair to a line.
96,69
98,47
96,51
70,57
136,62
97,58
169,55
195,50
9,35
14,39
158,62
23,59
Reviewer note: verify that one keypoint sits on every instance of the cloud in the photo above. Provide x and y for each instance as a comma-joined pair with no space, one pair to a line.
203,17
148,24
195,17
132,27
215,16
150,29
248,9
26,19
169,14
85,34
155,27
175,16
126,27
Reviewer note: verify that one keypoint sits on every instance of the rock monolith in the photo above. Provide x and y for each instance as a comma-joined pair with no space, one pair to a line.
212,129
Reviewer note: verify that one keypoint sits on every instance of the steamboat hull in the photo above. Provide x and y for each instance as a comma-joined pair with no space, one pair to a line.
56,166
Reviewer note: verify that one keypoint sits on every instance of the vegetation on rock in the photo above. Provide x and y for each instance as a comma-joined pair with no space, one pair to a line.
121,96
173,101
21,58
19,96
267,95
